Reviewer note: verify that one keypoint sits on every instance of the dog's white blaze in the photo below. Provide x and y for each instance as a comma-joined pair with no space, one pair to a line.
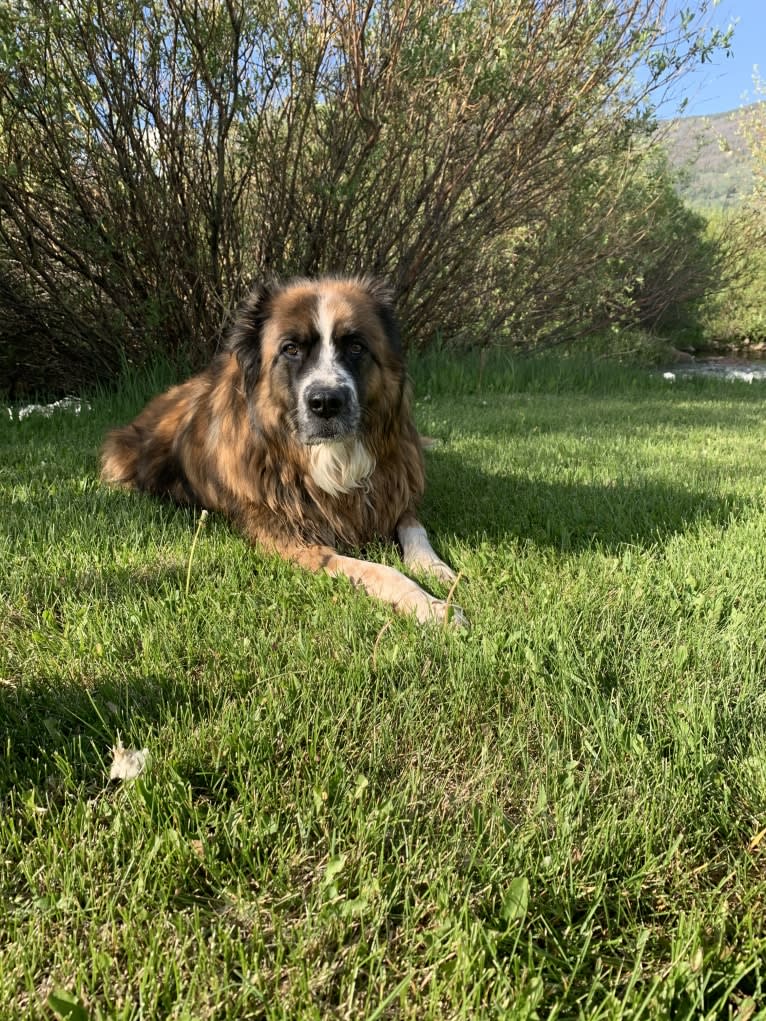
329,372
340,466
327,369
324,320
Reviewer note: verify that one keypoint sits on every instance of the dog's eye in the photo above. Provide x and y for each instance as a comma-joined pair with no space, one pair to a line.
354,347
291,349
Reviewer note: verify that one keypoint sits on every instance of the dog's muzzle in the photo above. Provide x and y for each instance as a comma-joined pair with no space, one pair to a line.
329,413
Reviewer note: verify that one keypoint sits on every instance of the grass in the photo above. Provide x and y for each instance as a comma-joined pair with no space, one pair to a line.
558,814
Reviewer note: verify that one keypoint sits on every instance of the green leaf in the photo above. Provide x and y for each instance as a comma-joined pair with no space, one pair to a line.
516,900
67,1005
362,783
333,869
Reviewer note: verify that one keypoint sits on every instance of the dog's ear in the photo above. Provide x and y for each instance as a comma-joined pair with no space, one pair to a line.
245,336
383,297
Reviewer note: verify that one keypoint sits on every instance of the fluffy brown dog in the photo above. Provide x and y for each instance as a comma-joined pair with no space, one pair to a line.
301,433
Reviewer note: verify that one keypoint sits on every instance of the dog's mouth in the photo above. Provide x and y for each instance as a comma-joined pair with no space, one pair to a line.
329,432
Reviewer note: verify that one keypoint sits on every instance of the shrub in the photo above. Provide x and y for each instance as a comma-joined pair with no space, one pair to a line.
736,314
155,157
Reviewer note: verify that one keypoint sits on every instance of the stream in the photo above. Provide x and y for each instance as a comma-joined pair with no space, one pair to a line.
750,368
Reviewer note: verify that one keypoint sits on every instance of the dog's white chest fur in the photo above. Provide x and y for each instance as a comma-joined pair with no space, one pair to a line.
340,466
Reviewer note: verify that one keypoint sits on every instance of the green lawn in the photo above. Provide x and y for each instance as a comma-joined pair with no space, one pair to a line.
559,813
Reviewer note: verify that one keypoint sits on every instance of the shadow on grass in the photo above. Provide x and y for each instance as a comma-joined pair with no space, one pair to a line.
477,505
47,724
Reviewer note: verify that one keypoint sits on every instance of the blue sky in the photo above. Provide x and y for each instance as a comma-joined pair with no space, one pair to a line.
727,82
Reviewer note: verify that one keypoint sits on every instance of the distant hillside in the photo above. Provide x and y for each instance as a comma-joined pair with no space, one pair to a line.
712,153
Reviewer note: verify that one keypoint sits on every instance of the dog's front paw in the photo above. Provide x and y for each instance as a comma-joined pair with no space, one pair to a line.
454,616
431,565
440,611
440,570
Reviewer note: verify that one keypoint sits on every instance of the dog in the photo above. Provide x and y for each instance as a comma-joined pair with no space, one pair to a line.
300,431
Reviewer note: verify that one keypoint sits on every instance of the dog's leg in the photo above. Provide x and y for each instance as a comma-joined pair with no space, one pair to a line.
380,581
417,551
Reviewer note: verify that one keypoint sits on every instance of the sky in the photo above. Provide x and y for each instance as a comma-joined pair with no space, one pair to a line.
727,82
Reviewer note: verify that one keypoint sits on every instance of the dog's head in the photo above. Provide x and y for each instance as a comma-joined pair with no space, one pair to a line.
321,358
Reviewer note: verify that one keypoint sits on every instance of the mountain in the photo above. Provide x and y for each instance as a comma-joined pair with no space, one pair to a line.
712,155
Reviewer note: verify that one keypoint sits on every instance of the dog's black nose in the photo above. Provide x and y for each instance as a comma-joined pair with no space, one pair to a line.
325,402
